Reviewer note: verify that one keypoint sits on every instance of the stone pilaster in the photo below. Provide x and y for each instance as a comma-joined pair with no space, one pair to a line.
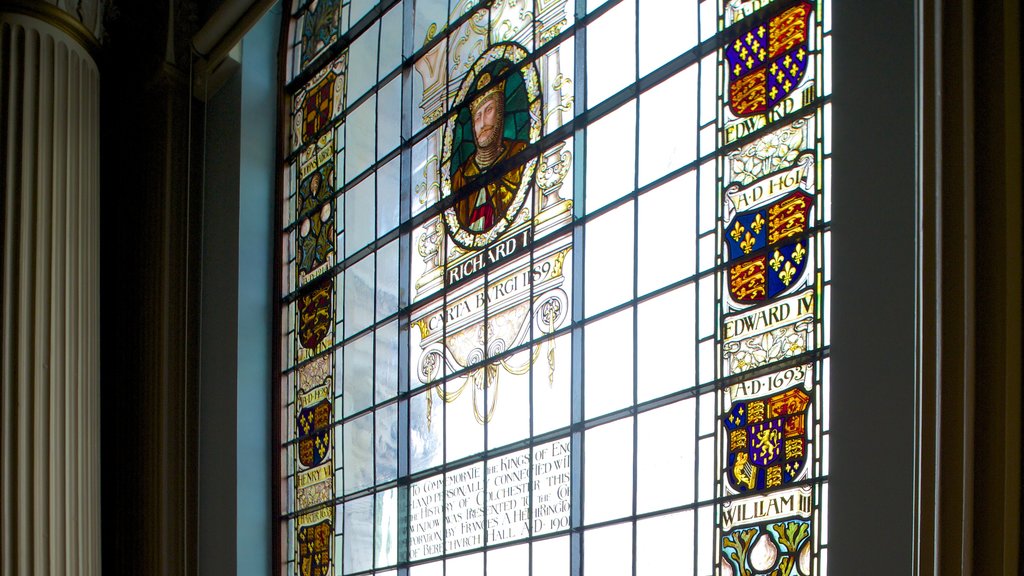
49,289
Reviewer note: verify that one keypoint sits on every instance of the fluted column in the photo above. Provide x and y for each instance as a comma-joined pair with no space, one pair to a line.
49,261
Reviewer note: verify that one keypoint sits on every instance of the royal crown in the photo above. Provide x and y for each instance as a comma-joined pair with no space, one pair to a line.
484,92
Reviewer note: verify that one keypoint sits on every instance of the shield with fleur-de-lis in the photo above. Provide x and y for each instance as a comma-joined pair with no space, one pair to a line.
765,259
314,434
768,62
767,440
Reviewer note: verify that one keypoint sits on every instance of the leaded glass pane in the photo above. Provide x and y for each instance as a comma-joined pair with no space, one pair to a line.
556,291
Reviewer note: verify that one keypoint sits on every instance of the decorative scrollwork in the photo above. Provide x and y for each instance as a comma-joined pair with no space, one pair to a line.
430,365
475,355
551,311
496,346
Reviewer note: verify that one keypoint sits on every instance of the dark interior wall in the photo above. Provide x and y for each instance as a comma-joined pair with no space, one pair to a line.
219,333
165,291
148,290
997,84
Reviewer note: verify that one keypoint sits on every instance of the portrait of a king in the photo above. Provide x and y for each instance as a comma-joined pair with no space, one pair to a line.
487,171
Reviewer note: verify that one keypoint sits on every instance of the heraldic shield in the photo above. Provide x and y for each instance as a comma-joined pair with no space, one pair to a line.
767,274
314,434
767,441
315,314
767,63
315,549
317,107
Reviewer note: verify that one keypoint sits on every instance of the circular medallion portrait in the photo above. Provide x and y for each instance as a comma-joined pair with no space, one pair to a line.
498,116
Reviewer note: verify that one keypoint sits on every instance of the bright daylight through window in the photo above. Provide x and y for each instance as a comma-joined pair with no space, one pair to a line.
556,288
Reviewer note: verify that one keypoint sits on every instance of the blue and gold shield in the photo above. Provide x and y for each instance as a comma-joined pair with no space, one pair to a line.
314,547
768,63
314,434
755,273
767,440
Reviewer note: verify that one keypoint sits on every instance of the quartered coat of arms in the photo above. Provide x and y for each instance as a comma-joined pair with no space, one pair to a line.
778,227
767,440
768,63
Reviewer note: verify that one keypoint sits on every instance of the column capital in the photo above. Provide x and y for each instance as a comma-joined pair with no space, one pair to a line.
82,20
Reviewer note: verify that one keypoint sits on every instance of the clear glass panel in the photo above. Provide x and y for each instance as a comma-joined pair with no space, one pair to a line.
386,362
359,201
667,29
389,108
611,147
359,9
608,363
608,550
385,537
611,52
386,444
431,569
391,40
358,372
388,194
360,150
668,126
609,259
665,470
510,561
665,365
464,565
387,283
363,63
358,449
608,471
426,425
705,536
359,527
664,545
666,235
551,557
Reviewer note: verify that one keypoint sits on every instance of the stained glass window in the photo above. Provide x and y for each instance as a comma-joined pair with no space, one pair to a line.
555,287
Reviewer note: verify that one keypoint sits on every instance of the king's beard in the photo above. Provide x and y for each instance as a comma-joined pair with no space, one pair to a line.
489,145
